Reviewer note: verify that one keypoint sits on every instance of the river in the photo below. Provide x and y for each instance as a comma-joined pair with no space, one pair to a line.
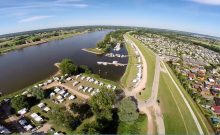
21,68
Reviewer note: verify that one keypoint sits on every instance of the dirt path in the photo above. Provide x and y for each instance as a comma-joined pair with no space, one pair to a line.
152,101
153,98
56,84
46,127
150,121
143,80
186,102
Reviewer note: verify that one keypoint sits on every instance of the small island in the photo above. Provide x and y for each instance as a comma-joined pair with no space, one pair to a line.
94,50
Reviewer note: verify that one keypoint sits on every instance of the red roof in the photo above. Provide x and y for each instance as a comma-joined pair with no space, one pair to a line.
192,75
216,109
217,86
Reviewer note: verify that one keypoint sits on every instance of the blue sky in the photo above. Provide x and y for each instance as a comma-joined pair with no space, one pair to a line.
200,16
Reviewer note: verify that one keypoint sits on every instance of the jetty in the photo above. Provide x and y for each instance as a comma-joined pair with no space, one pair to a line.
112,55
115,63
117,47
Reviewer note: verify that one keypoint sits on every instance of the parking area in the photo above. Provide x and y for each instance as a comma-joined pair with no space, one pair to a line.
61,91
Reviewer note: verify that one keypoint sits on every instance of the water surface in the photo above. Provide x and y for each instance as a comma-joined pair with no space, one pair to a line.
21,68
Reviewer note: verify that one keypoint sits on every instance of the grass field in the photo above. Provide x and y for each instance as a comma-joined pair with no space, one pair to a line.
207,128
177,118
150,59
137,127
131,69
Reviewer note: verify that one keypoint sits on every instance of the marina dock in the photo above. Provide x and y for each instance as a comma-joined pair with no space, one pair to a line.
115,63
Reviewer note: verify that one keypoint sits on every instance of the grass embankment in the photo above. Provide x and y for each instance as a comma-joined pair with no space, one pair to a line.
150,60
131,69
137,127
94,50
177,117
205,124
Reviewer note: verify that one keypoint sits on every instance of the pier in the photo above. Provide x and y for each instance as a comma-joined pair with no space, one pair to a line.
112,55
115,63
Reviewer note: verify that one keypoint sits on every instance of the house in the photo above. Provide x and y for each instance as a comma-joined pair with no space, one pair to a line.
214,92
196,86
217,101
22,111
194,70
78,76
36,117
216,109
114,87
4,130
57,90
201,78
46,109
205,91
83,77
214,71
215,120
191,76
207,84
69,79
80,87
52,94
216,87
41,105
75,83
25,124
72,97
211,80
202,72
109,86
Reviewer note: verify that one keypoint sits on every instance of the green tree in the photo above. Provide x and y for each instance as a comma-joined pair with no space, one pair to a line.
83,110
127,110
84,69
19,102
61,117
102,103
88,128
68,67
38,93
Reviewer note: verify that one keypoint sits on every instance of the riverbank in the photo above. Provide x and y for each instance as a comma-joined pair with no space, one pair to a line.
57,74
94,51
17,47
10,95
58,69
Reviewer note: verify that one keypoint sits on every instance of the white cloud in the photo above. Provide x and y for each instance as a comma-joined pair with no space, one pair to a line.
209,2
33,18
46,4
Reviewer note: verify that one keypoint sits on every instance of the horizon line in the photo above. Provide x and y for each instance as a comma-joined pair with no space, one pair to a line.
174,30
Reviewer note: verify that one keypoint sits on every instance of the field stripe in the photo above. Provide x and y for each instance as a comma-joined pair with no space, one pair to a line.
187,104
177,106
